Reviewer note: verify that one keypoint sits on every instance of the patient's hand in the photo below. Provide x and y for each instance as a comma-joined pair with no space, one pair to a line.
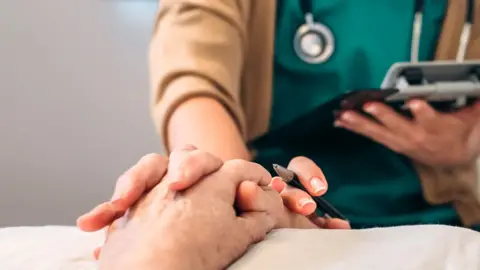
187,167
195,165
198,228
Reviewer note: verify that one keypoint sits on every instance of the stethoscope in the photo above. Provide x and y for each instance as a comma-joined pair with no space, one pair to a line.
314,42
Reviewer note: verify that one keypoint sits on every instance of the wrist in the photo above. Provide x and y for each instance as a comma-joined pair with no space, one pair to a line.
170,248
444,184
145,246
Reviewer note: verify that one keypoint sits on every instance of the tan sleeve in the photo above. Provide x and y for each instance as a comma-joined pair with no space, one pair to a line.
196,50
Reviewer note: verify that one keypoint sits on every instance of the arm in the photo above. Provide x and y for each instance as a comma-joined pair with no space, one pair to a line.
209,128
196,61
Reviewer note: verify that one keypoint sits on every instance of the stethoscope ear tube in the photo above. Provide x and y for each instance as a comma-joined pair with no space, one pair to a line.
417,30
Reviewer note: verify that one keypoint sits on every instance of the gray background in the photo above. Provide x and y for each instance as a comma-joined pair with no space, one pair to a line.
73,104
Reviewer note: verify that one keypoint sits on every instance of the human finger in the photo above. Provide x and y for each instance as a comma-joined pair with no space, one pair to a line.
309,174
252,197
243,170
278,184
99,217
233,172
142,177
194,166
117,224
370,129
255,225
330,223
298,201
389,118
422,112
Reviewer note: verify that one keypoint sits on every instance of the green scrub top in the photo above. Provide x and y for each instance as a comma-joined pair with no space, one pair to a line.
370,184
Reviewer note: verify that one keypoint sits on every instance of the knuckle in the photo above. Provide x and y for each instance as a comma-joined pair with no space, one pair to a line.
236,164
404,148
180,152
143,166
215,161
153,159
419,139
186,147
200,159
191,161
239,166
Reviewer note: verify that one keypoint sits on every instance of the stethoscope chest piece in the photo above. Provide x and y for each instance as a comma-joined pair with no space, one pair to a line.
314,42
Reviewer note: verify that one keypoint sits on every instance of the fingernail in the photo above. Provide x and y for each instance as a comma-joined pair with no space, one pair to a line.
337,124
370,109
304,201
414,105
317,185
346,116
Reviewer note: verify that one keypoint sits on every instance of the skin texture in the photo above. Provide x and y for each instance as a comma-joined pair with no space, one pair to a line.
159,228
431,137
205,114
193,168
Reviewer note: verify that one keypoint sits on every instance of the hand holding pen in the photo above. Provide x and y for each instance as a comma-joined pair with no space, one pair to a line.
307,184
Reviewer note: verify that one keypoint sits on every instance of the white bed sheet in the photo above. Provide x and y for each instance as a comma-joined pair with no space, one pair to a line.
403,248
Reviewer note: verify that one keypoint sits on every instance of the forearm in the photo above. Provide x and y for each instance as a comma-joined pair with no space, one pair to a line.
205,123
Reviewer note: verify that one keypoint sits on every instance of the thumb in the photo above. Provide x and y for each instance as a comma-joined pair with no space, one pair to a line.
255,226
310,175
250,197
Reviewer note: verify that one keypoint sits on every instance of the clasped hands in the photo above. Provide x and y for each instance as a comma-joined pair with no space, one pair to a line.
193,211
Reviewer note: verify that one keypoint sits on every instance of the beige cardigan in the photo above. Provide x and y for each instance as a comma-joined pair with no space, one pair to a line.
224,49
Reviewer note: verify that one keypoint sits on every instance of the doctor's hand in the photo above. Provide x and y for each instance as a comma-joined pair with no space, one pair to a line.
431,137
254,195
198,228
190,166
299,201
193,165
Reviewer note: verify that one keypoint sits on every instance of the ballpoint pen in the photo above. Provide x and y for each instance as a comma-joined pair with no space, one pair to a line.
291,179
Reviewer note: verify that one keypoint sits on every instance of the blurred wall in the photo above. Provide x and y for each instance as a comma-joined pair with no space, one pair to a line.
73,104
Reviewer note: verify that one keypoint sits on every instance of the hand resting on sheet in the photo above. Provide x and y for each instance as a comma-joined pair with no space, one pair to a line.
208,226
441,247
188,166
